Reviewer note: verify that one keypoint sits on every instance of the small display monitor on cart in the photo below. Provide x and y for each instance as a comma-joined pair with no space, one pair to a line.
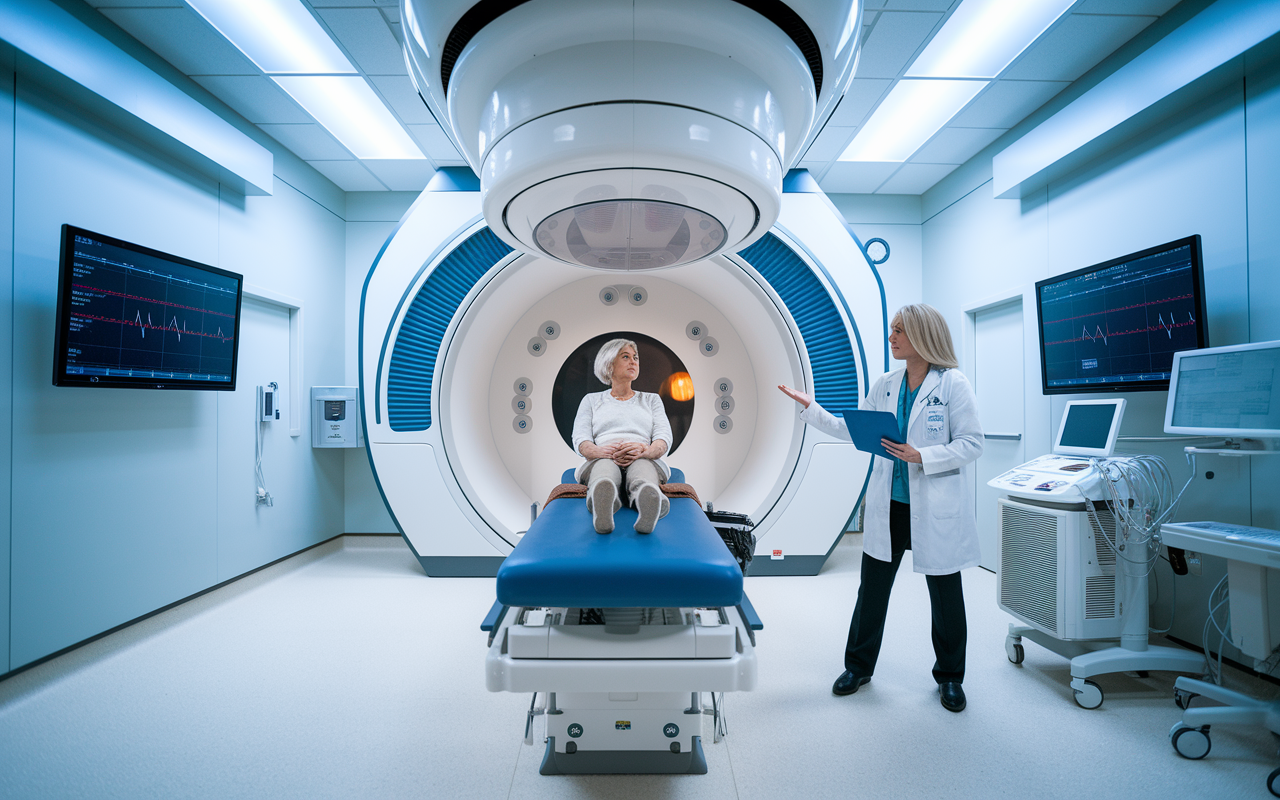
1089,427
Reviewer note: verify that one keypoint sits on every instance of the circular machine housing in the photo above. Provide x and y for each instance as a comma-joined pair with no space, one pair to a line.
567,107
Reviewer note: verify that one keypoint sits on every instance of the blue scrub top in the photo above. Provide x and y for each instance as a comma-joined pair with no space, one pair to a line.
906,399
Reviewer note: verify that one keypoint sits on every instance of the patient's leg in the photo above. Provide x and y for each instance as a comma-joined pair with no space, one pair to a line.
603,479
649,501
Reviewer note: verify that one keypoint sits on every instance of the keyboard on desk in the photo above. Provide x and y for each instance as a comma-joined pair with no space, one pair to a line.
1222,538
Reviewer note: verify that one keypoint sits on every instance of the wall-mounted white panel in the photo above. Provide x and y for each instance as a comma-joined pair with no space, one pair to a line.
1005,103
1059,56
182,37
309,141
80,61
349,175
256,97
953,145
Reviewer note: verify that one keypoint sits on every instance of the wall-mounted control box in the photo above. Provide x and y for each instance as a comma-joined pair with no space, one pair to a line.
335,417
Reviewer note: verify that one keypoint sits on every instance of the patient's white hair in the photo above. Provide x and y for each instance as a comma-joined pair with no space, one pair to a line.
604,359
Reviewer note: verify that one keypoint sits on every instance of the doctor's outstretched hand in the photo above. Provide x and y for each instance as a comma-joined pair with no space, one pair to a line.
800,397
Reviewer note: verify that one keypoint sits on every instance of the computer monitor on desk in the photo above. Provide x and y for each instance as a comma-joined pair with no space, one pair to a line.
1231,391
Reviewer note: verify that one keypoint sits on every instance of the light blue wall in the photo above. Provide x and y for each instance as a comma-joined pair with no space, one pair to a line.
1211,170
124,501
6,349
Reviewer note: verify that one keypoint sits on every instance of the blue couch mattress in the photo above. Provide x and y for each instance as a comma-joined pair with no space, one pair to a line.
562,561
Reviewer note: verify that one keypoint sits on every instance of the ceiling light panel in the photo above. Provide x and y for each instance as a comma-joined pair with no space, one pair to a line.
982,37
280,36
350,110
912,113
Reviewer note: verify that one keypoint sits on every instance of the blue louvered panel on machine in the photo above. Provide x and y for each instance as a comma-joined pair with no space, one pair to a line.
835,375
413,359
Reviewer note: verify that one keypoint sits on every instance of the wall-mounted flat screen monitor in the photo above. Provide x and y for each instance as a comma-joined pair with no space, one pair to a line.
130,316
1114,326
1226,391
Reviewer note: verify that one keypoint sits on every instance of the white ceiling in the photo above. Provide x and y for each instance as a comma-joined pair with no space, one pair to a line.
894,32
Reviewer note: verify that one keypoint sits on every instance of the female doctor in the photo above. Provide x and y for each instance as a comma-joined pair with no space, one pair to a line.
917,501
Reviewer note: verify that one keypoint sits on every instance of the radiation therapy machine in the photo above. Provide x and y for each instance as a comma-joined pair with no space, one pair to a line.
649,192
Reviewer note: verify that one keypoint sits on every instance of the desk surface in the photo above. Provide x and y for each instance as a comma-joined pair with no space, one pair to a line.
1259,546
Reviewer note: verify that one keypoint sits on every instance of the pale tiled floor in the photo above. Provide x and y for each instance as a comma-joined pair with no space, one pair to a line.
346,673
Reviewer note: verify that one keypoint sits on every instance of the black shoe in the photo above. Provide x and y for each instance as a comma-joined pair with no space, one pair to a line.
848,683
952,696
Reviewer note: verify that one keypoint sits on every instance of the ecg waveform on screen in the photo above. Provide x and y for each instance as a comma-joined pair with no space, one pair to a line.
1123,324
128,319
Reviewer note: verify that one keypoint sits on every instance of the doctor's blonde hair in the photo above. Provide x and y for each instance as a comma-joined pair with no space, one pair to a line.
604,358
928,333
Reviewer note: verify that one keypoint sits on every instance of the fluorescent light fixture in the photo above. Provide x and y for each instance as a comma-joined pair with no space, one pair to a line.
349,109
280,36
982,37
912,113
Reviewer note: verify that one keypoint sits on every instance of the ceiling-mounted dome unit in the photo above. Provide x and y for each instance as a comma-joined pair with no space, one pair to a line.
631,134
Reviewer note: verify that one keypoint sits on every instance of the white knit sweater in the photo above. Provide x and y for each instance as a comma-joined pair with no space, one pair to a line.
604,420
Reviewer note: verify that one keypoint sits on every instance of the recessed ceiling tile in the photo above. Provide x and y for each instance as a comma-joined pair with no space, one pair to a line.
1006,103
1152,7
392,13
308,142
341,3
434,143
829,144
402,176
182,37
955,145
915,178
399,93
1075,46
856,177
893,42
349,176
368,40
257,99
857,103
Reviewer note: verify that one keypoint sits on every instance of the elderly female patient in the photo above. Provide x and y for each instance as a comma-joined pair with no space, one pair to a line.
622,433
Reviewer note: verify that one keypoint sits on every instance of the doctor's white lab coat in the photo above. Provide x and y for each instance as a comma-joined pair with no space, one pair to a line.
943,426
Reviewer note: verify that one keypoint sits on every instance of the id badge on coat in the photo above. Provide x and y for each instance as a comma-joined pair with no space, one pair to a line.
935,421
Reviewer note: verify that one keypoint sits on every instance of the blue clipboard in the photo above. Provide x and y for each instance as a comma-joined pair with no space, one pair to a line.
867,428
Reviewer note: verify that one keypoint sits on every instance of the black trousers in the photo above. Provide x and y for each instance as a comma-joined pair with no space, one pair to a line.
946,596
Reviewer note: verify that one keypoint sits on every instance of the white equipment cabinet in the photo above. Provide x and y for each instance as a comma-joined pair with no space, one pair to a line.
1074,576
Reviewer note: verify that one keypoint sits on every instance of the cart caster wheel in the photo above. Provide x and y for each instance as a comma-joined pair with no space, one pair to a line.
1273,783
1183,699
1090,696
1193,743
1015,652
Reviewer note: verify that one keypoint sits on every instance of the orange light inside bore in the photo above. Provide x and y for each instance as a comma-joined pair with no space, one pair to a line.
678,386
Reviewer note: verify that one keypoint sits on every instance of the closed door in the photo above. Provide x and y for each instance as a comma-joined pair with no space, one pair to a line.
998,383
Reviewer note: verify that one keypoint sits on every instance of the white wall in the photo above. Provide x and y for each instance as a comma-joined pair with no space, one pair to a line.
124,501
1210,170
